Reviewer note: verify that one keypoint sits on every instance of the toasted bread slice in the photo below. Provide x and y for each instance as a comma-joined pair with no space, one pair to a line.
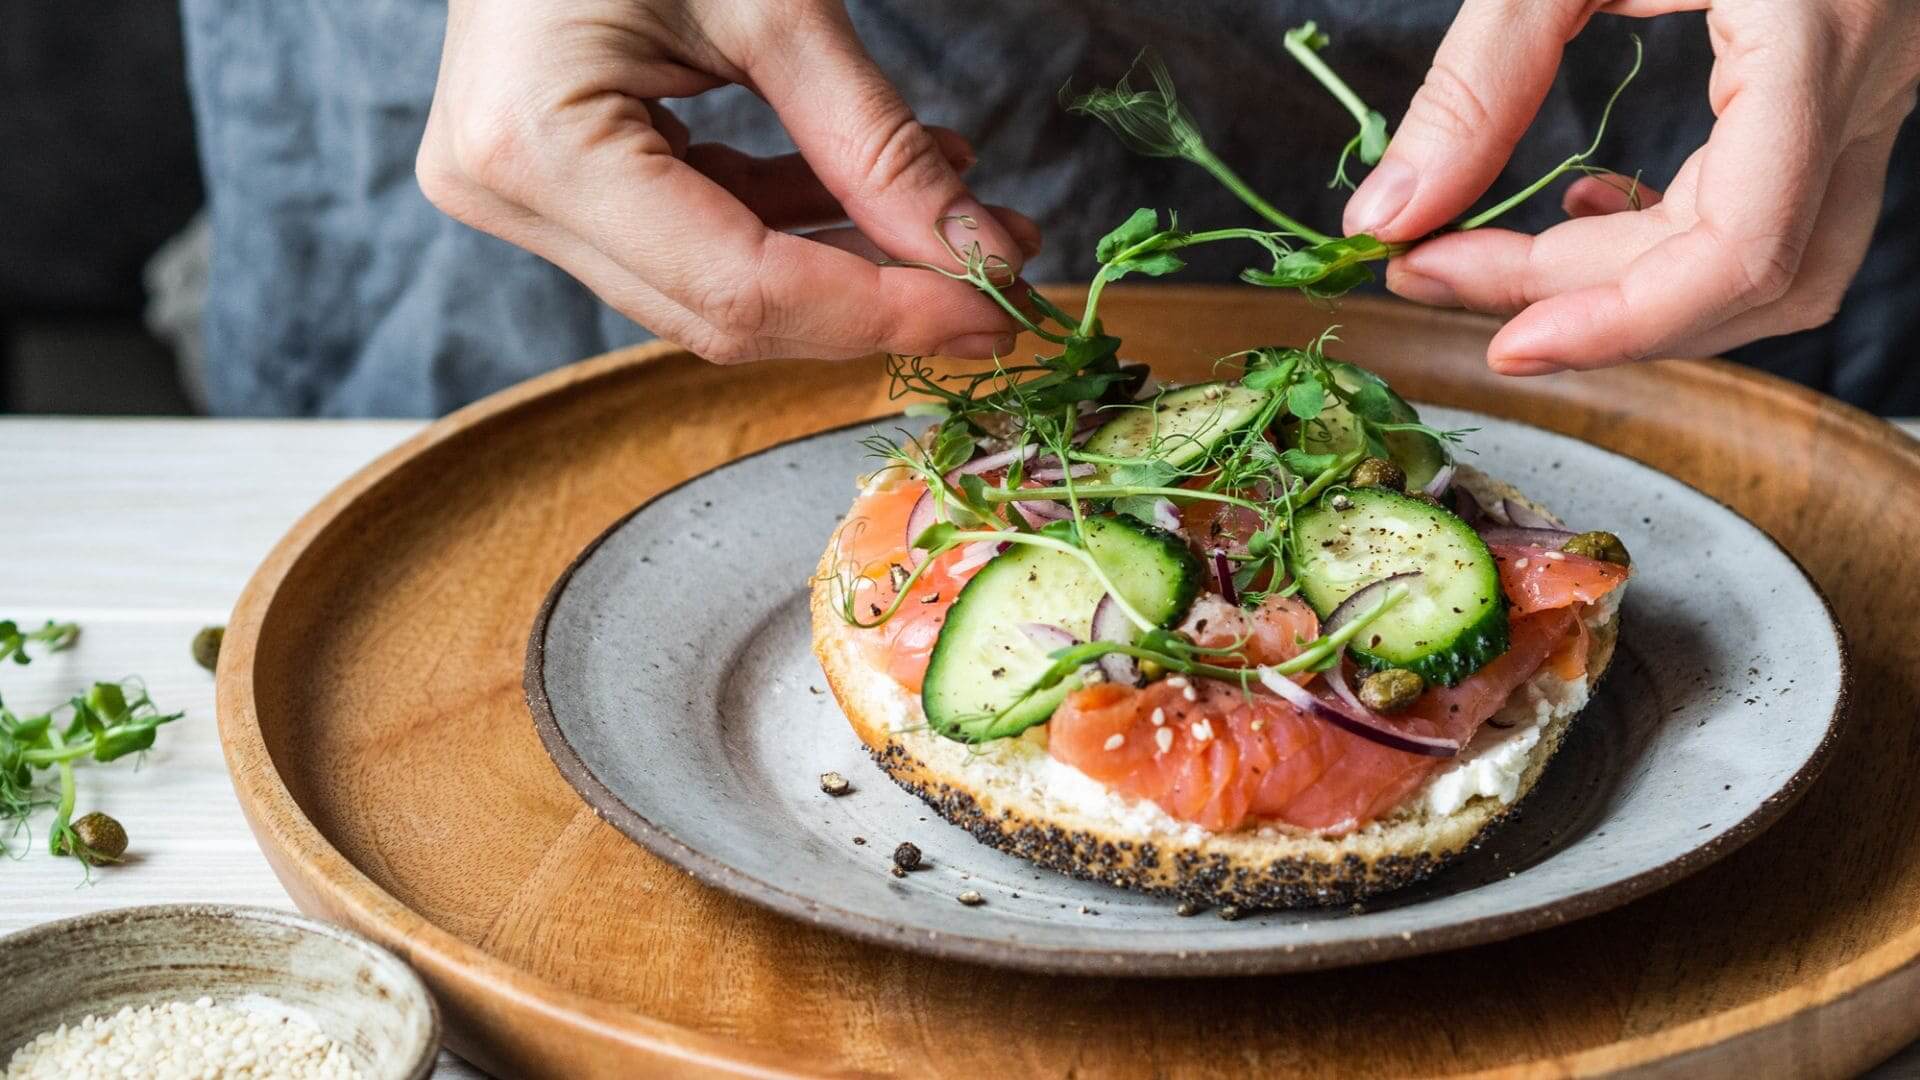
1013,796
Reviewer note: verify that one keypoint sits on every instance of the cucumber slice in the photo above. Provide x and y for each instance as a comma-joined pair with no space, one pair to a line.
1336,431
984,661
1180,426
1455,618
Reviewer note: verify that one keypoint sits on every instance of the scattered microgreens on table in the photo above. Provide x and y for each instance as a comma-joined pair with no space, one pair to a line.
112,720
1040,411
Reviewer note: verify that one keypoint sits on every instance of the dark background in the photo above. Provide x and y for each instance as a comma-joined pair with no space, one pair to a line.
97,170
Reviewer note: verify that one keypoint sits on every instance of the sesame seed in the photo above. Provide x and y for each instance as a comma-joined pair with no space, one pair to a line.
1163,739
1159,717
1556,556
1115,741
1519,564
1203,730
1190,694
1178,682
1259,723
971,898
184,1039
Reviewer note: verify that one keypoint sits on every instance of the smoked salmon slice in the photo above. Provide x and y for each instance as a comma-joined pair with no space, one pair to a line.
1540,579
1210,753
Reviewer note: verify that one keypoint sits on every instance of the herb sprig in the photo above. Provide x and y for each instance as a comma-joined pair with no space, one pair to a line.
110,721
1269,466
1152,122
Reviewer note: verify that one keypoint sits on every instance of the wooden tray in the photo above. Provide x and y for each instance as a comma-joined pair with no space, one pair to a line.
369,700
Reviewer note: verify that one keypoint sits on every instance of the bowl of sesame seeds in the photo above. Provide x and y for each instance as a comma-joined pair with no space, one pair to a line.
213,991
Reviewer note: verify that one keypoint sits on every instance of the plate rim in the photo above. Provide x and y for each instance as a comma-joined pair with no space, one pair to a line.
1039,958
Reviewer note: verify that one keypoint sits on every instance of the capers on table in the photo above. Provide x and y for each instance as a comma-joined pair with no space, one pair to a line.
1379,472
206,646
1391,690
1599,545
95,839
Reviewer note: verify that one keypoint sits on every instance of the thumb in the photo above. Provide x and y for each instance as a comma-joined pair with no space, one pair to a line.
866,146
1487,81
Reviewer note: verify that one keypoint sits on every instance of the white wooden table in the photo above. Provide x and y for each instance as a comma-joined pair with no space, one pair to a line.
144,531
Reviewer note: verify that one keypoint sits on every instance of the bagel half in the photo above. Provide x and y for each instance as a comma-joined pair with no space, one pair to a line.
1013,796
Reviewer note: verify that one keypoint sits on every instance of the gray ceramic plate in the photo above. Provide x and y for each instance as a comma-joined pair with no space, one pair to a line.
672,680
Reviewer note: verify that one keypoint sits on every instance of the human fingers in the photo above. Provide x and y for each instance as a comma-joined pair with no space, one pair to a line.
866,145
1487,81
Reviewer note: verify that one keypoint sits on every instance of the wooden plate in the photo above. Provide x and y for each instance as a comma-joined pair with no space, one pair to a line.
672,678
370,704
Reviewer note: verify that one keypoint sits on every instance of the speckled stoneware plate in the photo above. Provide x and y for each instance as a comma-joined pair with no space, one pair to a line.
671,678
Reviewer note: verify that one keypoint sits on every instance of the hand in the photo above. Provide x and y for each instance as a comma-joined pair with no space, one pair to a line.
546,131
1758,234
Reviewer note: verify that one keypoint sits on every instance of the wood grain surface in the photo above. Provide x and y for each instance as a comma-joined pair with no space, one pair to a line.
370,707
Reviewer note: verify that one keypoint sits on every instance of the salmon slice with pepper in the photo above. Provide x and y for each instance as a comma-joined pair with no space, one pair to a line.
1537,578
873,547
1213,754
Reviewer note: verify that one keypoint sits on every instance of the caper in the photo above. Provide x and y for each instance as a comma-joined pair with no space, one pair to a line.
95,839
206,646
1380,473
1599,545
1151,670
1391,690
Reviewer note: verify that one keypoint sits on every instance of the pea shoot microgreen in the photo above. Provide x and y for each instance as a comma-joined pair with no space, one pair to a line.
1036,414
1152,122
1304,43
110,721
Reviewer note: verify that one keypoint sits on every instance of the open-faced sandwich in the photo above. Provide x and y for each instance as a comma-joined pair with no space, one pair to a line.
1257,641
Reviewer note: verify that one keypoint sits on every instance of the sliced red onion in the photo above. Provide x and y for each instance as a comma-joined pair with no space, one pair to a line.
1441,481
1468,509
1049,636
995,461
1043,510
1336,677
1166,515
1046,473
1520,515
1112,624
919,521
1223,577
1362,722
976,555
1363,599
1546,538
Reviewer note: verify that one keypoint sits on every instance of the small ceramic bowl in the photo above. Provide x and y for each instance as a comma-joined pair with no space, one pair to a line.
257,959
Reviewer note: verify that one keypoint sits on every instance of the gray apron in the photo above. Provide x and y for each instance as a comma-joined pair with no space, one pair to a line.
338,290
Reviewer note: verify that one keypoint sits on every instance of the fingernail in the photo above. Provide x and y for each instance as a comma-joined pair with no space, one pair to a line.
1422,289
978,346
1526,367
1382,195
985,231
